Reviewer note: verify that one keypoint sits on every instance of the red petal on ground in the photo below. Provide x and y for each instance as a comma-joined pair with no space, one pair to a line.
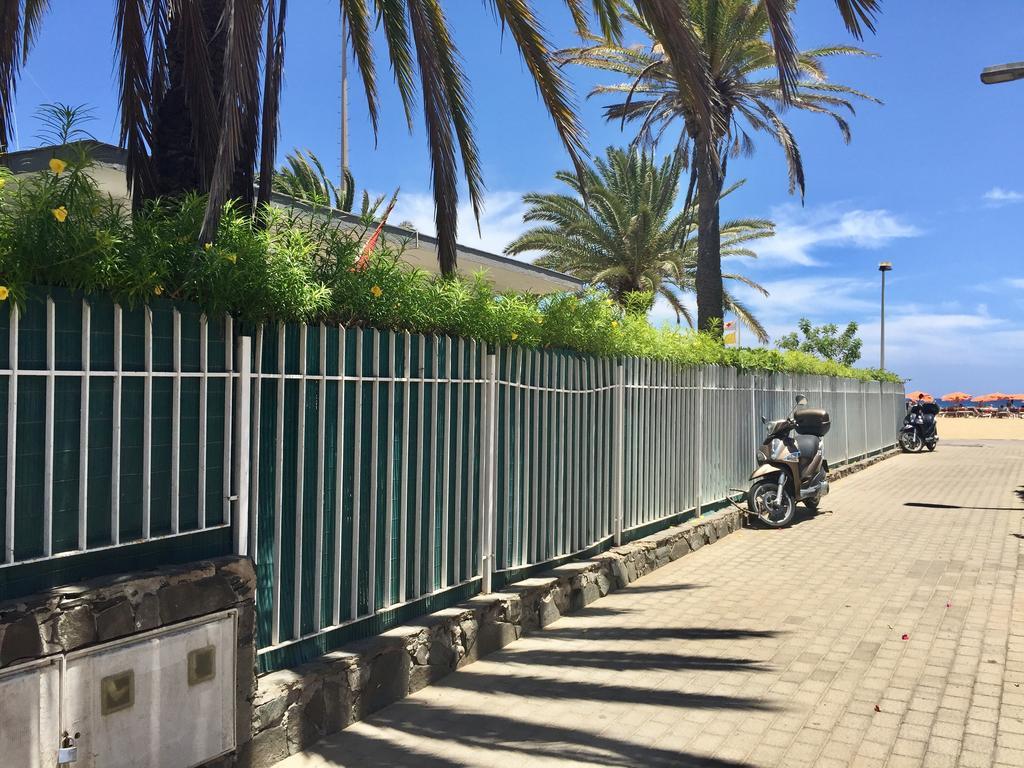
877,708
906,637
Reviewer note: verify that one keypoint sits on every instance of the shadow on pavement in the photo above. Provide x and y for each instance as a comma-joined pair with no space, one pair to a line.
644,588
631,660
537,687
505,740
929,505
633,634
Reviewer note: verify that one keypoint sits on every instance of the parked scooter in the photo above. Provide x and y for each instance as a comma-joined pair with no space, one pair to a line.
791,466
919,428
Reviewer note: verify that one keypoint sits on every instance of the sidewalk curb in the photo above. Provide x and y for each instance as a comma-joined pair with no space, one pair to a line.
294,708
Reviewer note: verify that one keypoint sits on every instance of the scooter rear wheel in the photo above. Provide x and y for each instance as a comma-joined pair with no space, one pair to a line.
764,504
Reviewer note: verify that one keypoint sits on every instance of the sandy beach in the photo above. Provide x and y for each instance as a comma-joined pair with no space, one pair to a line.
981,429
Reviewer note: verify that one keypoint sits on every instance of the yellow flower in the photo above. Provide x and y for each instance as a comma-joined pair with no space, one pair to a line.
208,246
615,323
232,257
376,291
4,293
515,336
57,165
60,213
2,183
609,302
158,290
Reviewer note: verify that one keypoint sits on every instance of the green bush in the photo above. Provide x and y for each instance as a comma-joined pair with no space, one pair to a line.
57,228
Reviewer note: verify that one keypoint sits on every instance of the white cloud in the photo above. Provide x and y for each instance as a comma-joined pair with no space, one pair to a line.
800,231
998,196
1016,282
501,221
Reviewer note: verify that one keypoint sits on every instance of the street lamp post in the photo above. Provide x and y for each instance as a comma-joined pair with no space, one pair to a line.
1003,73
885,266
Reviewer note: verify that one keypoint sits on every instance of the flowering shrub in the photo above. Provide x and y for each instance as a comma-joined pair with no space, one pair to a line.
58,228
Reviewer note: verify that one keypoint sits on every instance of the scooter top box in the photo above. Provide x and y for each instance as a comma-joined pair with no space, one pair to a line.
812,421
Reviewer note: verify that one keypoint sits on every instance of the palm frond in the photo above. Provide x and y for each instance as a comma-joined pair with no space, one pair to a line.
554,89
355,17
859,15
243,21
135,94
273,70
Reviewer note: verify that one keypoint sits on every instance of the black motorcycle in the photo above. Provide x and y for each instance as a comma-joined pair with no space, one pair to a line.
919,429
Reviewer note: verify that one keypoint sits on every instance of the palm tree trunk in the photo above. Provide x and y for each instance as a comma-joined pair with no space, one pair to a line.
710,296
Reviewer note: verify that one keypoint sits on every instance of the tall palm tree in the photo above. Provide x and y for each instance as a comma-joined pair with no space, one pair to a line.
192,73
304,177
734,39
628,236
200,84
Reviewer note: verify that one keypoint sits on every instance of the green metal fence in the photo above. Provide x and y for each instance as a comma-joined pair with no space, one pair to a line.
371,475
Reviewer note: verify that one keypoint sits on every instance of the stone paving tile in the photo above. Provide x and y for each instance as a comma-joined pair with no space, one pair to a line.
771,648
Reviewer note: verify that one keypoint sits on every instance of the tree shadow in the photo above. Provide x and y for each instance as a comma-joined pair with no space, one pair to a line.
505,740
635,634
932,505
644,588
630,660
538,687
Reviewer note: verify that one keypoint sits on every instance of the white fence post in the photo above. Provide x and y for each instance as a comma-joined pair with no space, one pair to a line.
243,424
490,459
619,490
700,441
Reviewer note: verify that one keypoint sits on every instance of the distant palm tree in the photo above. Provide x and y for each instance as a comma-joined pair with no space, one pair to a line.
303,177
629,236
747,93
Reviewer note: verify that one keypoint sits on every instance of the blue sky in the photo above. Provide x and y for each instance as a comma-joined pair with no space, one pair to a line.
933,180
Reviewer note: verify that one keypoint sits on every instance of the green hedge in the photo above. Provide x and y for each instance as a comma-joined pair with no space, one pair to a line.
58,229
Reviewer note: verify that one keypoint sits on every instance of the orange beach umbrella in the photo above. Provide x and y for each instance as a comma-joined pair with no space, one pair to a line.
992,397
920,395
956,397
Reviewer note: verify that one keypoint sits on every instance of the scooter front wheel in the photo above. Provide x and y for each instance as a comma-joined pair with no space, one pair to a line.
910,442
764,503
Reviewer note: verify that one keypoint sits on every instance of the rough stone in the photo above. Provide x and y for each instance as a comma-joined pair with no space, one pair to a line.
548,612
147,613
585,595
388,681
495,636
21,641
75,628
679,549
265,749
115,621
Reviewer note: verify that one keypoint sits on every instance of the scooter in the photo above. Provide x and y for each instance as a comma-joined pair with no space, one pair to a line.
791,466
919,430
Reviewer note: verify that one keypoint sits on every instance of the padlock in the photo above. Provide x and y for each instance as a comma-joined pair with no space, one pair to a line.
68,751
66,755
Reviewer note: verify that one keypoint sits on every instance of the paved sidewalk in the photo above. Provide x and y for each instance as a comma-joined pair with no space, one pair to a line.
770,648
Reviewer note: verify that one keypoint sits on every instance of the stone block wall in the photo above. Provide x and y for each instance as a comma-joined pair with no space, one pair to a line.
94,612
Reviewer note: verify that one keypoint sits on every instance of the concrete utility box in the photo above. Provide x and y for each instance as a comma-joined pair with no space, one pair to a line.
29,712
162,699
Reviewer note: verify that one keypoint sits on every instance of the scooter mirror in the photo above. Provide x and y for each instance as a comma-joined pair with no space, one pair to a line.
801,399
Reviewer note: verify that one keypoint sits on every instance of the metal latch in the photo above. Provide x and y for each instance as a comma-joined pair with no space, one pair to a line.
68,751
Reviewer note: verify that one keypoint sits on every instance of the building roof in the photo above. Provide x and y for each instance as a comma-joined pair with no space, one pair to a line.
420,250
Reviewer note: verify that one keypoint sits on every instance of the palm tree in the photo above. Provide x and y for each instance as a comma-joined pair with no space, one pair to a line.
625,235
192,73
195,115
733,39
303,177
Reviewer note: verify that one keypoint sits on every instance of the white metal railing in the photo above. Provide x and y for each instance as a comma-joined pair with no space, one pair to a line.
363,469
94,414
